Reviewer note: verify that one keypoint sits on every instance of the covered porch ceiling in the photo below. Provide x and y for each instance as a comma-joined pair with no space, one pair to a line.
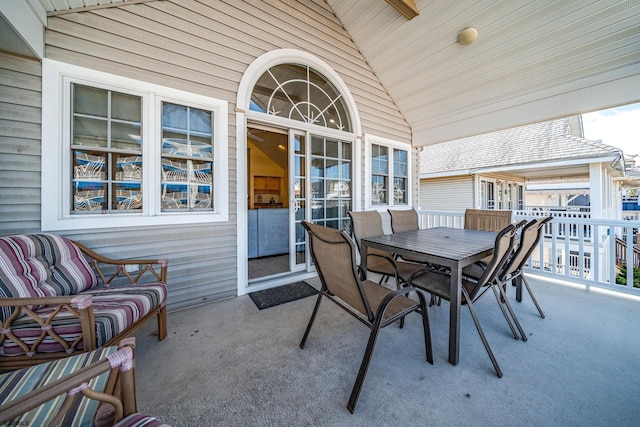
532,61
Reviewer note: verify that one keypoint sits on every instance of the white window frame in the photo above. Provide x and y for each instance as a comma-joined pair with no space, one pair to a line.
501,200
391,145
57,78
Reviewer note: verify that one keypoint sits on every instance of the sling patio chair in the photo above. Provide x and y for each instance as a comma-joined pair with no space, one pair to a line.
529,239
486,219
439,285
334,255
369,224
404,220
475,271
408,220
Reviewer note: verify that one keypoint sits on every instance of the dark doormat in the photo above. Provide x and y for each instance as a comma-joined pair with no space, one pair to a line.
282,294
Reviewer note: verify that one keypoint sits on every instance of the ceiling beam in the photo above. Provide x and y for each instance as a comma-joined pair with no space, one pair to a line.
406,7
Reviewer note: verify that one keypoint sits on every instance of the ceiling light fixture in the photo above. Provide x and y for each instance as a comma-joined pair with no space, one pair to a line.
467,36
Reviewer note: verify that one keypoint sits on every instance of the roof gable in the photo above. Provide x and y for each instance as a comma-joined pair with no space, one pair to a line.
537,143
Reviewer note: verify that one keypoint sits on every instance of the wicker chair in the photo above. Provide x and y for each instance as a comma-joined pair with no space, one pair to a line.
486,219
374,305
369,224
439,284
93,388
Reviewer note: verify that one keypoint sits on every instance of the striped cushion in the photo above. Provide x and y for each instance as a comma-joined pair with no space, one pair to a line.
139,420
37,265
114,310
17,383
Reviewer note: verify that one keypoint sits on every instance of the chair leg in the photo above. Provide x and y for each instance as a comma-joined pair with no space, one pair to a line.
526,284
435,301
482,337
426,326
313,317
501,300
364,366
503,295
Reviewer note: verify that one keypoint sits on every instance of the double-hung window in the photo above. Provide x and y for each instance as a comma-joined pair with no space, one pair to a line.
119,152
388,177
106,151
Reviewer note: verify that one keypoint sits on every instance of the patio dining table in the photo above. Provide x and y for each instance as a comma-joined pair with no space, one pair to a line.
454,248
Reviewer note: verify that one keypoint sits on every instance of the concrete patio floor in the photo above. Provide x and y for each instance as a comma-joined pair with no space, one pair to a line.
230,364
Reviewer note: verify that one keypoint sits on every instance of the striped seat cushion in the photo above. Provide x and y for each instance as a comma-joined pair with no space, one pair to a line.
114,310
38,265
140,420
18,383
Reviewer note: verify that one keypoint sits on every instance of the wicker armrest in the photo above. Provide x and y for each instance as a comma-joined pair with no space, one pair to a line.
103,267
80,306
118,390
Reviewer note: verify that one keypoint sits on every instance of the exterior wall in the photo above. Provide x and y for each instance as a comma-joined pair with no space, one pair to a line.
446,194
200,47
20,144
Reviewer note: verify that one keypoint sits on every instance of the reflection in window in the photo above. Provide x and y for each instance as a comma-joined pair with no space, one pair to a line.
106,151
389,176
187,158
400,177
379,174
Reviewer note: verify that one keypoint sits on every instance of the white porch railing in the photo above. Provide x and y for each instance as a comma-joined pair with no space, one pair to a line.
574,248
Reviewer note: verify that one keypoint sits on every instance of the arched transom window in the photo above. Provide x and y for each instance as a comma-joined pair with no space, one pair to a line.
299,93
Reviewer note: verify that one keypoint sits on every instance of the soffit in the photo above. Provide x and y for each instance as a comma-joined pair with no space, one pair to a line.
534,60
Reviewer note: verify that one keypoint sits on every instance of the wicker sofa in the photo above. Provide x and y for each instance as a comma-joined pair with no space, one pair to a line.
59,298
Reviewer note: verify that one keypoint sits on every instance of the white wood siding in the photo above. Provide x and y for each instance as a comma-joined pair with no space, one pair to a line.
204,47
20,146
447,194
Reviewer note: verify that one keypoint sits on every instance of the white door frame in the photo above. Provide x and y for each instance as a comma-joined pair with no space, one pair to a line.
243,113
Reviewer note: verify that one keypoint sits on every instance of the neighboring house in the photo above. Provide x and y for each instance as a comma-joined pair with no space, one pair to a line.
154,128
630,192
543,164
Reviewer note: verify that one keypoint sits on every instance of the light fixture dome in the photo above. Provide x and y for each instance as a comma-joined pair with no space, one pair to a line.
467,36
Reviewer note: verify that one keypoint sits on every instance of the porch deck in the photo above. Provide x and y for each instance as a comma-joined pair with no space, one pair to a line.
227,363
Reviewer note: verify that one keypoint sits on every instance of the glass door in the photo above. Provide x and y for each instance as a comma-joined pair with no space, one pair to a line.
298,195
321,187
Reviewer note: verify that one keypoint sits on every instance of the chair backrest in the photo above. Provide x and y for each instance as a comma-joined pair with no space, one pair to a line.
486,219
334,255
367,224
501,251
404,220
529,238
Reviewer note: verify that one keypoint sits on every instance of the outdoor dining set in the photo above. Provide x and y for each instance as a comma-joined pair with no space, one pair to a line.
427,265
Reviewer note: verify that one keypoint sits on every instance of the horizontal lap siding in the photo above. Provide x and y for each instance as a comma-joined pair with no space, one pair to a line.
447,194
205,47
20,144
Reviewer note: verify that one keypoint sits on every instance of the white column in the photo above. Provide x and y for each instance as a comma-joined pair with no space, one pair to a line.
596,177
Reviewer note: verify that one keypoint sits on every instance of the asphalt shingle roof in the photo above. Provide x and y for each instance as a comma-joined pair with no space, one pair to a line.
536,143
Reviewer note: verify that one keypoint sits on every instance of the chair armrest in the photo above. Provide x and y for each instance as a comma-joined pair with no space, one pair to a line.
80,306
103,267
118,392
391,296
391,261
